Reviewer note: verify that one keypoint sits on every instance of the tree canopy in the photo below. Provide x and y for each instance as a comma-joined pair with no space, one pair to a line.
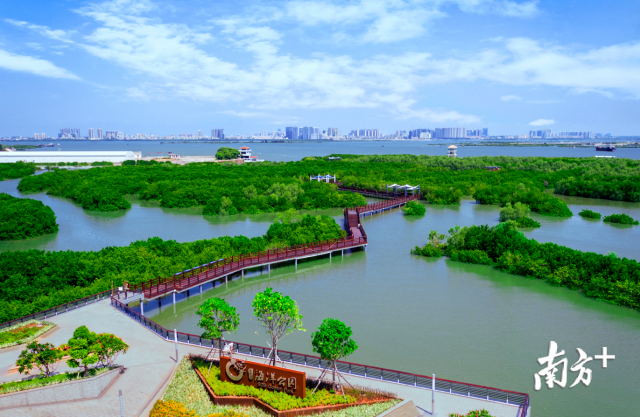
227,153
23,218
278,315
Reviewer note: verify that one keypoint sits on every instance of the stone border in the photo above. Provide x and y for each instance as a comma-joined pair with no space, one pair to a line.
255,402
83,389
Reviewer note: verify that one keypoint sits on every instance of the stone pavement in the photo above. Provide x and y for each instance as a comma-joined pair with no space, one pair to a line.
150,362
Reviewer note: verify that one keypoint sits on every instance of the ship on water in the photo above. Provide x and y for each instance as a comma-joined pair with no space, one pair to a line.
605,148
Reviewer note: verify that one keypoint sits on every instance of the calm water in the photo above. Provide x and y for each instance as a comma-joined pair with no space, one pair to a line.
464,322
297,151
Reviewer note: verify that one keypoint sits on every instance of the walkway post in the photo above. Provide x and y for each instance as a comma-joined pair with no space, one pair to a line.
175,337
121,407
174,298
433,393
142,308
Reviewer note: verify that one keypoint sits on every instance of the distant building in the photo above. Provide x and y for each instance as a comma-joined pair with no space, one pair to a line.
452,151
199,133
43,136
333,132
90,133
245,155
420,133
36,135
485,132
292,132
217,134
492,168
451,133
100,134
309,133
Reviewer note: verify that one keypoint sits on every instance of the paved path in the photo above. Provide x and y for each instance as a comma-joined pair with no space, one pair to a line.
150,363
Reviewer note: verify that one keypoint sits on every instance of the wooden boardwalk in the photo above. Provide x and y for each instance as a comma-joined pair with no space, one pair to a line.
356,237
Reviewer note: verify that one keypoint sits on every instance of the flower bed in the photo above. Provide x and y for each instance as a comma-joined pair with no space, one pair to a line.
21,333
280,404
474,413
175,409
39,382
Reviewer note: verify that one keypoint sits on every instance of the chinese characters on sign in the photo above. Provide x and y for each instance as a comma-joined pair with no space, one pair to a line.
551,369
263,376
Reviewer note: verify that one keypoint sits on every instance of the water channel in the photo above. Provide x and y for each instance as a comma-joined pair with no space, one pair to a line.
464,322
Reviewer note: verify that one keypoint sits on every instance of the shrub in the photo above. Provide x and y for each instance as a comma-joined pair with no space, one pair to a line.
176,409
23,218
588,214
227,153
427,250
414,208
621,219
472,257
474,413
102,164
527,222
31,383
278,400
128,162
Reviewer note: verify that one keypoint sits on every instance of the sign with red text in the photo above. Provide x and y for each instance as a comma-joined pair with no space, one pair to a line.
263,376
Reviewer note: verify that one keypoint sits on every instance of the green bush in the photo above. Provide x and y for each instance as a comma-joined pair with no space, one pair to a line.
24,218
588,214
16,170
128,162
278,400
54,278
473,413
621,219
527,222
227,153
102,164
414,208
605,277
472,257
427,250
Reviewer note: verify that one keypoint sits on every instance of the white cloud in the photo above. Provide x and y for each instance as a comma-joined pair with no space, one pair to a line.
543,122
33,65
57,34
384,21
510,98
523,61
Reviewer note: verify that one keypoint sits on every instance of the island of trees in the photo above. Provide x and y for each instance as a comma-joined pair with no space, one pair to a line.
23,218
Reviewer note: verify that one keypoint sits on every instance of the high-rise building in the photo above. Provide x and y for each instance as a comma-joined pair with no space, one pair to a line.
91,133
77,133
43,136
292,132
333,132
217,134
36,135
100,134
485,131
451,132
199,133
309,133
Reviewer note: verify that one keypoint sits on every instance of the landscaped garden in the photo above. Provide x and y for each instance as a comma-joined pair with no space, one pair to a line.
23,332
91,353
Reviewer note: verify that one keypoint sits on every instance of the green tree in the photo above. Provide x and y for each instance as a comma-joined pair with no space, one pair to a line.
250,192
515,212
414,208
109,347
217,317
278,314
227,153
333,341
83,348
43,356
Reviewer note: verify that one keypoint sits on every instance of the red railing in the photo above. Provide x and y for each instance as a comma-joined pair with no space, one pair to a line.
222,267
389,375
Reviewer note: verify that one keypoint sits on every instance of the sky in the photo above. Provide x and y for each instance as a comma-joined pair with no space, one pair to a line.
170,67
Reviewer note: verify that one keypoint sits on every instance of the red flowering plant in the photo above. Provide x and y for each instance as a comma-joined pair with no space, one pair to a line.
43,356
108,347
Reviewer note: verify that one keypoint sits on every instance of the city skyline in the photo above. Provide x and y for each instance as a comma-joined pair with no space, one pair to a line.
141,65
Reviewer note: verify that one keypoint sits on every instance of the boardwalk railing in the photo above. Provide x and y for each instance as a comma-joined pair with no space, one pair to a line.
404,378
222,267
62,308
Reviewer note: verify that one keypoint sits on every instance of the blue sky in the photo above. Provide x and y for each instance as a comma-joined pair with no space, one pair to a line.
169,67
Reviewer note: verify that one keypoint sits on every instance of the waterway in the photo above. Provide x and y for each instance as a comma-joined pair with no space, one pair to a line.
298,150
465,322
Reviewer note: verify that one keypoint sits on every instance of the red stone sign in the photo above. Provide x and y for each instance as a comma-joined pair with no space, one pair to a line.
262,376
